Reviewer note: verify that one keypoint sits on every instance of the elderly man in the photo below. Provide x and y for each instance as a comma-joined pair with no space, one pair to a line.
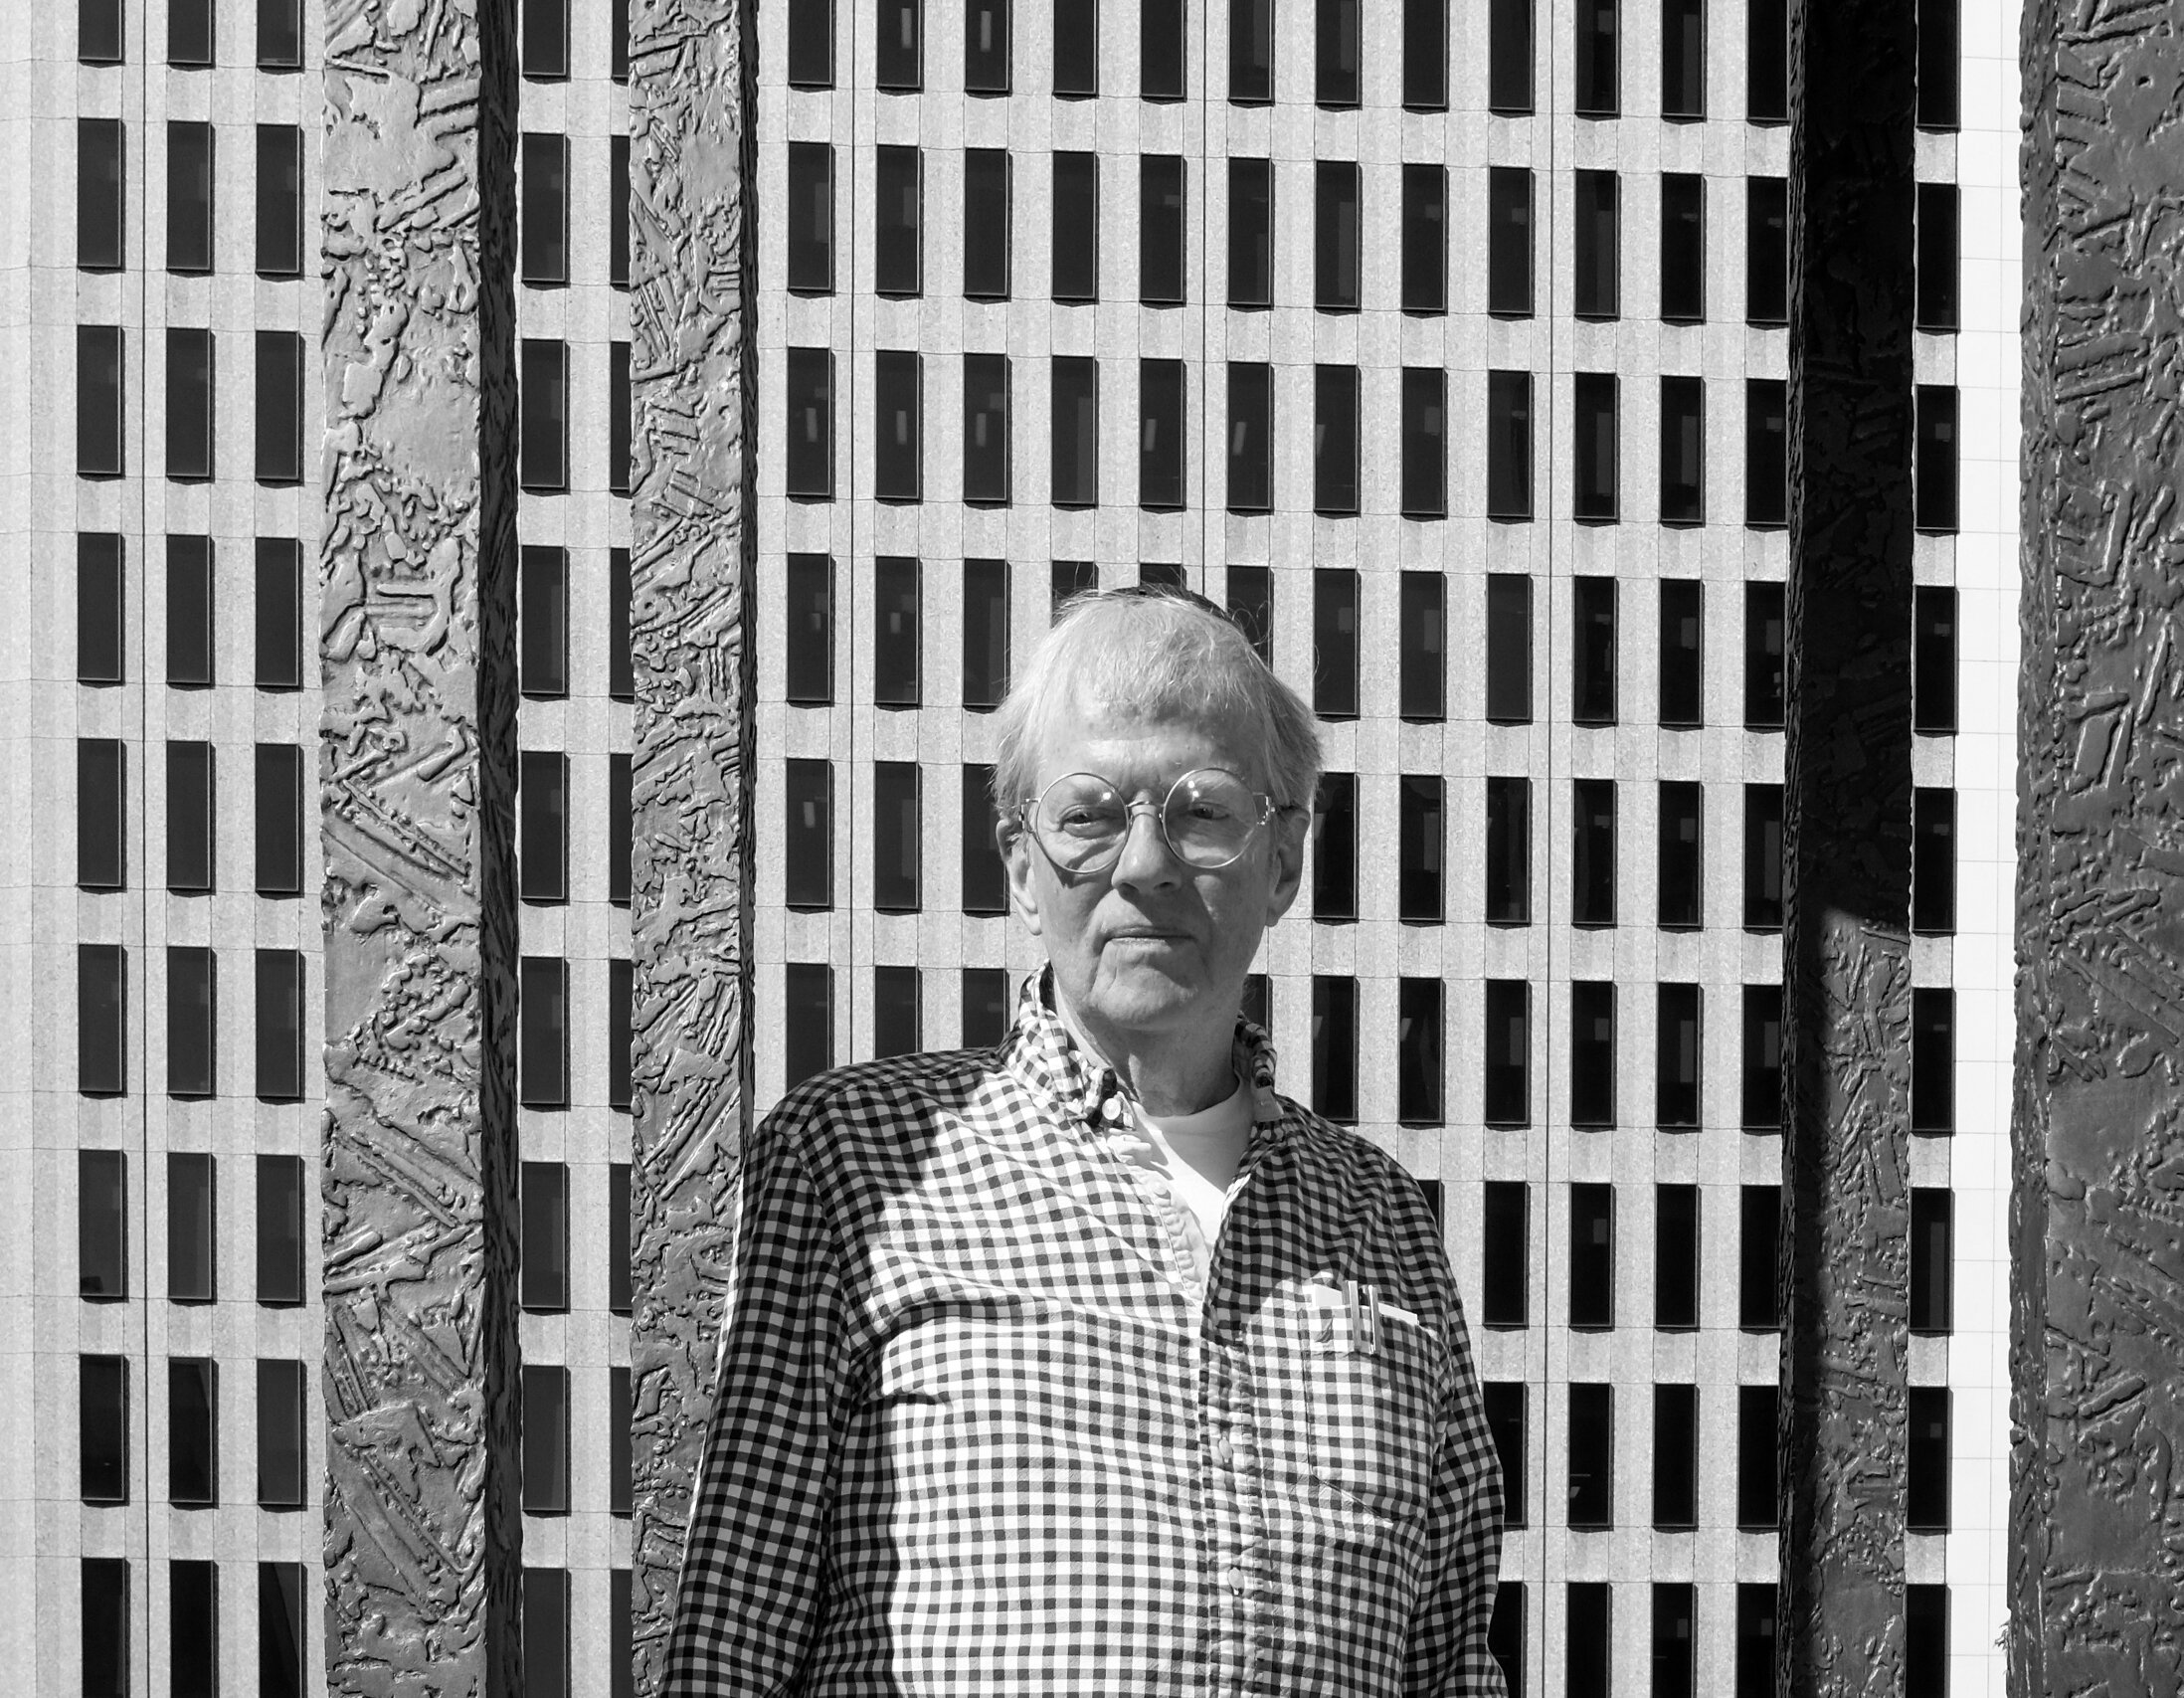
1089,1364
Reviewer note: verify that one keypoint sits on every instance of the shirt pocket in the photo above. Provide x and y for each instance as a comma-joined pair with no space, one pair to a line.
1373,1384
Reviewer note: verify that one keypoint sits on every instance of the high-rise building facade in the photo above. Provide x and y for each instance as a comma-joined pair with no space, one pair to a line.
1445,342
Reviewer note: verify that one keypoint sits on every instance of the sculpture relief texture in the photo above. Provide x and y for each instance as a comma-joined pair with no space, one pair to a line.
693,381
1847,814
2097,1589
417,776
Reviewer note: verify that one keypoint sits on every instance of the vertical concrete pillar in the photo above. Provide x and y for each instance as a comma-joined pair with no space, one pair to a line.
417,772
1847,818
2097,1561
693,379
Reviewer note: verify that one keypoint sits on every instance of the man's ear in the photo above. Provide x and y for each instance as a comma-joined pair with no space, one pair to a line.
1017,850
1288,830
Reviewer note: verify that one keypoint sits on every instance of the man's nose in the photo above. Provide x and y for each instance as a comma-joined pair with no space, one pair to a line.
1145,857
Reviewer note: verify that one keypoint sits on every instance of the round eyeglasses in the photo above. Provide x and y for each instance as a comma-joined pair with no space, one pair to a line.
1081,821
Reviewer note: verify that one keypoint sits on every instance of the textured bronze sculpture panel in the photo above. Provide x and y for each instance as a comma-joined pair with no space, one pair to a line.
417,771
694,384
1847,816
2096,1559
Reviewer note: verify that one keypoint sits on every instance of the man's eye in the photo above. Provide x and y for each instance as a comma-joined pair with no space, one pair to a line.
1086,820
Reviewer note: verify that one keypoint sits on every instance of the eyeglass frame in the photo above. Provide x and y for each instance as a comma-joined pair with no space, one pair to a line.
1269,811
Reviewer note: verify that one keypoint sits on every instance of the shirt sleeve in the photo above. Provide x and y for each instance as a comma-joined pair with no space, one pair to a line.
751,1598
1448,1655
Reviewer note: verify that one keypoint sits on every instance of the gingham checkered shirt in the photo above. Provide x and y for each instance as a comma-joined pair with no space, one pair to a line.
978,1430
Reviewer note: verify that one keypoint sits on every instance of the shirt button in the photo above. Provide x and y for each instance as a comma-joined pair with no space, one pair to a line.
1235,1577
1221,1452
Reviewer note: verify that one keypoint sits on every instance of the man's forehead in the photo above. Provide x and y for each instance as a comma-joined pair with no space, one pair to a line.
1077,721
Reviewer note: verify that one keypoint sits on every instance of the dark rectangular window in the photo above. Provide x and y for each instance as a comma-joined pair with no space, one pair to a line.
621,827
1076,49
545,1631
1933,658
1594,444
276,421
1592,851
1676,1040
1757,1604
1936,457
191,1066
189,196
1597,30
193,1629
542,825
1509,649
1766,250
1160,229
99,624
1075,470
189,405
1250,232
1762,1057
1250,438
896,672
984,1006
190,1223
1425,442
1938,257
618,197
1762,857
279,636
1334,235
1765,623
99,32
544,621
1592,1482
1334,440
103,1224
811,44
1509,444
1682,249
1253,1004
1934,1059
543,239
101,1015
280,1033
1426,55
1674,1459
1684,58
1421,833
896,1021
1937,63
896,837
808,468
103,1428
1932,1307
1766,60
99,401
898,205
620,1023
1161,48
1933,862
545,1443
1425,232
1069,580
1683,651
1591,1258
1592,1052
1592,660
100,245
987,227
1251,53
280,35
899,46
1335,1048
617,1239
1076,243
986,46
621,1620
1507,1052
1504,1400
1335,643
1251,606
1675,1618
1161,433
280,1234
984,876
1675,1256
1419,1051
619,469
1335,37
189,612
1509,238
898,469
1758,1505
1508,56
281,1633
1505,1288
1683,454
1508,852
280,1447
1759,1243
1506,1634
192,1472
985,459
1334,847
543,1058
1925,1641
985,633
546,39
1767,453
620,662
1422,668
545,422
1598,261
1926,1498
621,1474
809,633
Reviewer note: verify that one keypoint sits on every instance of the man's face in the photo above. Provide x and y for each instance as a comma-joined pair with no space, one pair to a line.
1152,944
